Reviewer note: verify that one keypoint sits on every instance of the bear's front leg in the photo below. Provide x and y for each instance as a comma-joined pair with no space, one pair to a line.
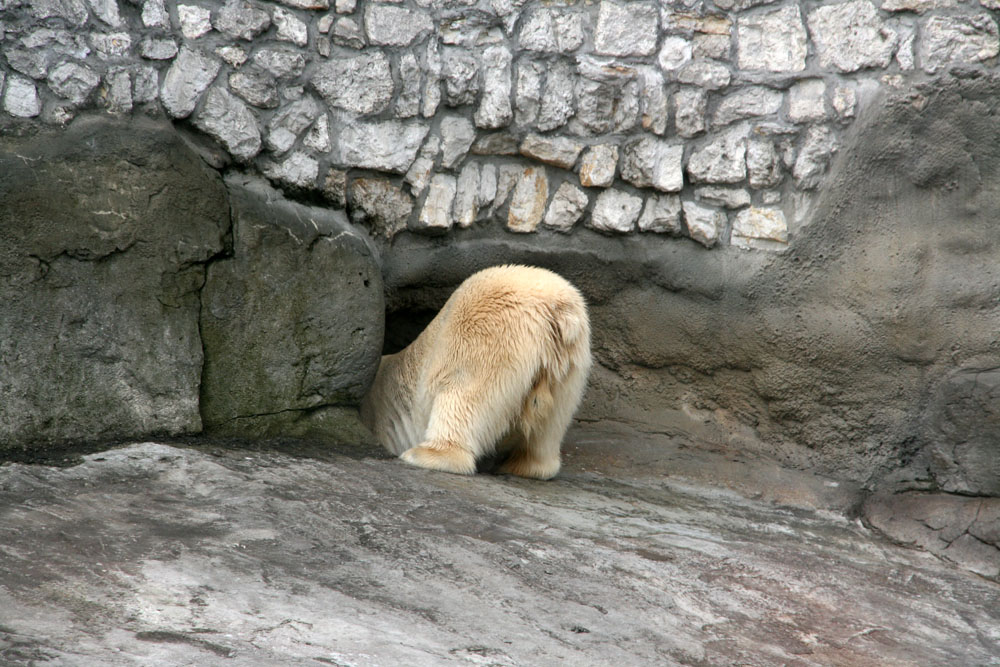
441,455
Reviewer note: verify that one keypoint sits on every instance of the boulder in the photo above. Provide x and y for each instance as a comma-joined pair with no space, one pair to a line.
292,322
105,231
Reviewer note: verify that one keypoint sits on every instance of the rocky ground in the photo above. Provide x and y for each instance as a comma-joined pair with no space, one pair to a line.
645,550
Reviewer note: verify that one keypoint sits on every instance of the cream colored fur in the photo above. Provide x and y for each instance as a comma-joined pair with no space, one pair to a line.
506,359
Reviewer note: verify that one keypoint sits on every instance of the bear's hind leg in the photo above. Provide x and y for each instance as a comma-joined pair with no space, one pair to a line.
441,455
464,424
539,454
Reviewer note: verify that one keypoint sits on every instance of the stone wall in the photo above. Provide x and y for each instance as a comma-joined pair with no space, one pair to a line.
712,121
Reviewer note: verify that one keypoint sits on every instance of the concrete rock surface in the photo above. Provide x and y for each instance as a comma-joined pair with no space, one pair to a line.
156,554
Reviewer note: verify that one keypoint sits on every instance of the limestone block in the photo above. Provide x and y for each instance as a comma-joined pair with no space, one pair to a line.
292,322
117,91
73,82
845,99
558,102
607,99
807,101
432,76
690,106
157,49
240,19
361,83
721,160
527,205
347,32
457,134
315,5
232,54
683,20
318,136
661,214
466,204
552,31
145,85
389,25
102,262
731,198
763,228
774,41
195,21
73,12
648,162
290,27
615,211
507,177
487,191
188,77
708,74
557,151
408,99
528,91
111,45
675,52
918,6
705,224
711,46
460,71
747,103
763,163
289,122
626,29
599,164
231,123
952,40
107,11
494,108
907,41
655,102
154,14
567,206
818,147
496,143
437,210
298,171
21,97
280,62
420,172
335,187
851,36
388,145
256,86
380,206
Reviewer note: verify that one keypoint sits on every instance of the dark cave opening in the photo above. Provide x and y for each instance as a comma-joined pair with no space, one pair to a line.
403,325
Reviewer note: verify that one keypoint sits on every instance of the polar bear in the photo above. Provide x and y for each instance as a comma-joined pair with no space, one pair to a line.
505,360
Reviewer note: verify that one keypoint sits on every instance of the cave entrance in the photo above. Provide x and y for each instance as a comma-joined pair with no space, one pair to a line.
403,325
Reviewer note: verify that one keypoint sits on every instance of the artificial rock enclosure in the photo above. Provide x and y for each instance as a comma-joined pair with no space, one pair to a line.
783,216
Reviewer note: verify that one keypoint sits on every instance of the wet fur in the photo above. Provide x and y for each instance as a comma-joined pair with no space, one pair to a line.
506,359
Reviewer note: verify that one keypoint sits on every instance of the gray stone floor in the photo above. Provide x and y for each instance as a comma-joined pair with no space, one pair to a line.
643,551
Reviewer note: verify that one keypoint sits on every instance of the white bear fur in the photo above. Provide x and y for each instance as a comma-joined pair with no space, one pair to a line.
507,358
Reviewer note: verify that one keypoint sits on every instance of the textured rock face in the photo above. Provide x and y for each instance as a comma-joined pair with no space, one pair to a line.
526,79
308,270
106,229
836,360
296,555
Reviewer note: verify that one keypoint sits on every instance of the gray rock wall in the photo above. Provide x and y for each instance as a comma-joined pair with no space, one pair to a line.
716,121
142,295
